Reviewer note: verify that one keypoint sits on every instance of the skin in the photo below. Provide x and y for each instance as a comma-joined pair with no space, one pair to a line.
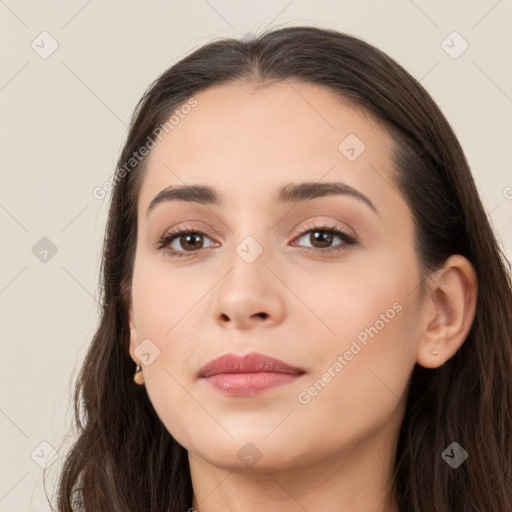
336,451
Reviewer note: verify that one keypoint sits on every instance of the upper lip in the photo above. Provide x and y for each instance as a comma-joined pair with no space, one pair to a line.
250,363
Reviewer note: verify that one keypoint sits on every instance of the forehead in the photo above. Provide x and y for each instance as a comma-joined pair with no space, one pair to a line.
246,140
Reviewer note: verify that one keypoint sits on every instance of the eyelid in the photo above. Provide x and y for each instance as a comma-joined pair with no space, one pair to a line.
324,224
338,231
175,232
300,228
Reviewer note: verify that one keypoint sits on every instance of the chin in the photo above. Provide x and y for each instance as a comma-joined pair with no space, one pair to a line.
251,456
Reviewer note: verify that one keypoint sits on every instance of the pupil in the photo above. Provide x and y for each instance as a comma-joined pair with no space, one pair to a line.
195,237
325,238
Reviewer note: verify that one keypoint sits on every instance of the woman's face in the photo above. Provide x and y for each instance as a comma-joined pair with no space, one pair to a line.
266,274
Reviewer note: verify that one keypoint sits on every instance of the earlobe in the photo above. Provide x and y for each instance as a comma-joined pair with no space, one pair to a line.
451,303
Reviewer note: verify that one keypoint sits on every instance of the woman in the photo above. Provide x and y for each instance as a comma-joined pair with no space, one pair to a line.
304,305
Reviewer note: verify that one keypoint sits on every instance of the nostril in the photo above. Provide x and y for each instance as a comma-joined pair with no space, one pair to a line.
262,315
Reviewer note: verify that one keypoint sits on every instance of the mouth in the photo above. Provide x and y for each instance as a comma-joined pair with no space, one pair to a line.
248,375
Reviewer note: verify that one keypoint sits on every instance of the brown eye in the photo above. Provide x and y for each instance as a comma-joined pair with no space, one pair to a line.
190,241
323,237
182,242
179,242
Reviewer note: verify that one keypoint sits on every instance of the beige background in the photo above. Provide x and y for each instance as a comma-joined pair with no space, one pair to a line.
63,123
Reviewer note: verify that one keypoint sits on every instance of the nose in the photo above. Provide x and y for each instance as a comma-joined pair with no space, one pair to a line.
250,295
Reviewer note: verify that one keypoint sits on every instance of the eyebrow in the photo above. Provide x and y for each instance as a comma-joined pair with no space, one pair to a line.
290,193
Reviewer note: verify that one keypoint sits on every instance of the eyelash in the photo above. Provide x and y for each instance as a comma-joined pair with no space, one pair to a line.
170,236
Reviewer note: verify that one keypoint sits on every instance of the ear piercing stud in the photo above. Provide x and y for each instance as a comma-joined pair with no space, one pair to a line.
138,378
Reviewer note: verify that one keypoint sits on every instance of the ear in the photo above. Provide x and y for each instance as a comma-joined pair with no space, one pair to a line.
139,376
133,333
448,312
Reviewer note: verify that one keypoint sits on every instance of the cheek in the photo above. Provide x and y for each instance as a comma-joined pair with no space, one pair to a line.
364,361
168,302
169,312
363,300
360,383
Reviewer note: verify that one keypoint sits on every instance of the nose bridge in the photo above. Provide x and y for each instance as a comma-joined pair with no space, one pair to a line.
249,259
249,293
251,236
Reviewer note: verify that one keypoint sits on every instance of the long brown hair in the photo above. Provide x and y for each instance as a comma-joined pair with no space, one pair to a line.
124,459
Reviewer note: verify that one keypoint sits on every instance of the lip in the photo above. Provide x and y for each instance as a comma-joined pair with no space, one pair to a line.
249,374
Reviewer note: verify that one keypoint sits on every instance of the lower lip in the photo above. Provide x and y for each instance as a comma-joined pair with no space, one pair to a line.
248,384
